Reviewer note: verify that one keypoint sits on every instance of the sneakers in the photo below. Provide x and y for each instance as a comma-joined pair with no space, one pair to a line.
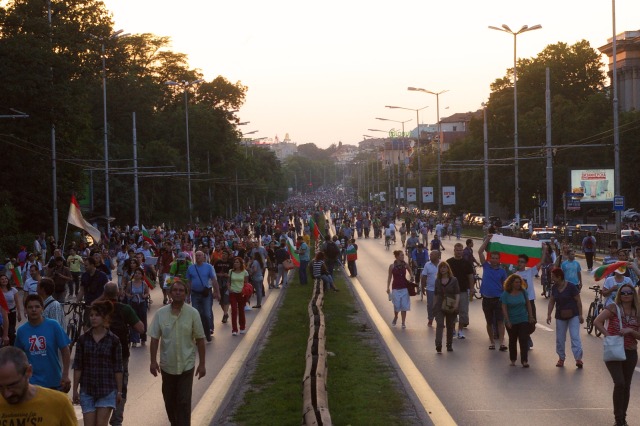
225,317
394,322
579,363
460,335
439,349
243,331
234,333
247,308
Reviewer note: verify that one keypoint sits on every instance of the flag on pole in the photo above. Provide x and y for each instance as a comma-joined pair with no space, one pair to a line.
75,218
16,276
291,248
147,282
510,247
147,237
313,226
605,270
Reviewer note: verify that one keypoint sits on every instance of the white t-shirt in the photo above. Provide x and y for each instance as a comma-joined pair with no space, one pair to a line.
611,283
529,275
430,271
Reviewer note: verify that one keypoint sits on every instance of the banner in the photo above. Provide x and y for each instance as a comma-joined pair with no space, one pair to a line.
448,195
427,194
596,185
399,192
411,195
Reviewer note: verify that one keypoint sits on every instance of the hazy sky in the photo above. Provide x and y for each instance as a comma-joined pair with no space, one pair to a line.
323,71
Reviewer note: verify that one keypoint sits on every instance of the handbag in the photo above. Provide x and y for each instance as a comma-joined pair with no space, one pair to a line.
412,288
247,290
448,304
614,345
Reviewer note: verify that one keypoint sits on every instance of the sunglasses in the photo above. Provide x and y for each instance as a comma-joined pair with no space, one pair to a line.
626,293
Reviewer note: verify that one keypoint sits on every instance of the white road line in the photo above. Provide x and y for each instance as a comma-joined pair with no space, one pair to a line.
543,327
539,409
427,397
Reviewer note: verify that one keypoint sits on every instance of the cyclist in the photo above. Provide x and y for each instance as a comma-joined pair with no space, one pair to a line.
403,234
388,235
436,243
411,243
418,259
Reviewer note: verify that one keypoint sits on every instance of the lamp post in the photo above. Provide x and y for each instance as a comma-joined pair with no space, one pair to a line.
505,28
616,131
417,149
185,85
389,175
107,209
403,151
437,95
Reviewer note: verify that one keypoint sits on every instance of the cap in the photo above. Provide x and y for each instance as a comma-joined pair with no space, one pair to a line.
621,270
182,255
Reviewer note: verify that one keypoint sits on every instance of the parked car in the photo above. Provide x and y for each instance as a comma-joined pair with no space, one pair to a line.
630,215
588,227
543,234
630,238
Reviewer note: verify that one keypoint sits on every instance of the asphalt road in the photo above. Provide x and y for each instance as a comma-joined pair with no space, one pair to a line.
477,386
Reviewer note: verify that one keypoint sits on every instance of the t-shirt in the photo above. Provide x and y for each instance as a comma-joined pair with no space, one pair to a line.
304,252
10,297
492,280
516,307
47,408
529,275
571,268
237,280
589,244
430,271
75,263
93,285
41,343
461,270
566,299
199,276
610,282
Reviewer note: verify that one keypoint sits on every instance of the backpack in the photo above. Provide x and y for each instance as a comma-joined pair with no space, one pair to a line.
332,250
589,243
120,328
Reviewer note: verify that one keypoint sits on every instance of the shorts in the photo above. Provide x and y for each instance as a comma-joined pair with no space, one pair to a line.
492,308
400,299
89,404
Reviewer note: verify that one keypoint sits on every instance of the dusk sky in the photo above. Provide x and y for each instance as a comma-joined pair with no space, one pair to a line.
322,72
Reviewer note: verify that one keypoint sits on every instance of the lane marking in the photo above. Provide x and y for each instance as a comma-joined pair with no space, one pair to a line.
539,409
432,405
212,400
543,327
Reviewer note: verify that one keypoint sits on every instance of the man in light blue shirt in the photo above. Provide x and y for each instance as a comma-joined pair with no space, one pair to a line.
305,257
203,286
572,270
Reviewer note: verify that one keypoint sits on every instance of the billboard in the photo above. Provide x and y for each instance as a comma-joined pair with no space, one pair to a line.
411,195
399,192
427,194
596,185
448,195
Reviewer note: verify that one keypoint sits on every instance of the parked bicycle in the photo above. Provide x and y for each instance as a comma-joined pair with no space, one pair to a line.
74,323
594,310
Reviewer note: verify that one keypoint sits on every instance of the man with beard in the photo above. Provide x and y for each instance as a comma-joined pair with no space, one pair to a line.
23,402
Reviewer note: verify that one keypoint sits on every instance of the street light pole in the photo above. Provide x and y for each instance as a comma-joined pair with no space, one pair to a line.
508,30
437,95
405,176
417,148
616,133
185,85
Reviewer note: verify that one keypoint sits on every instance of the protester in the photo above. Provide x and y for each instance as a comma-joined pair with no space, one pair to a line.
255,271
203,287
352,257
428,278
238,277
14,316
52,308
400,294
517,313
22,401
493,277
137,293
625,309
447,288
177,331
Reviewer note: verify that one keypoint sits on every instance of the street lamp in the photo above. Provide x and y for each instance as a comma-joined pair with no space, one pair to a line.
389,175
505,28
107,210
185,85
405,175
437,95
418,148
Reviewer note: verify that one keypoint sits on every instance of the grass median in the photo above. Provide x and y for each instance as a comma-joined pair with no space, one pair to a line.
363,387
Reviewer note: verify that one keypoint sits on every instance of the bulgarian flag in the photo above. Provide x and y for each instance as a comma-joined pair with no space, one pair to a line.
75,218
147,237
16,276
315,231
291,248
605,270
510,248
147,282
3,302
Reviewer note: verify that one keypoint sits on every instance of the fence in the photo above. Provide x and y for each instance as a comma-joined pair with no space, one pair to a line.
315,401
574,238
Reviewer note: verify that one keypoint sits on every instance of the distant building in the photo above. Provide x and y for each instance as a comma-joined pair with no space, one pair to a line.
345,154
628,68
284,149
453,127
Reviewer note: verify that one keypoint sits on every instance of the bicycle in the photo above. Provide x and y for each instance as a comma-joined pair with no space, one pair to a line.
594,310
477,283
387,242
545,279
74,325
418,274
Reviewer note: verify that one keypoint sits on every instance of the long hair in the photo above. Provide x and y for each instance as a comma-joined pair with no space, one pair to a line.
443,264
636,303
508,283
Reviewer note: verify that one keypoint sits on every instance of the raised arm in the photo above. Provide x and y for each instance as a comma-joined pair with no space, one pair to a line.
483,248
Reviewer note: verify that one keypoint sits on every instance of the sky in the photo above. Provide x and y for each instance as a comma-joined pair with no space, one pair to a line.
323,72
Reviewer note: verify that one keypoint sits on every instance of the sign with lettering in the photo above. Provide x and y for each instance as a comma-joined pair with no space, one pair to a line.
448,195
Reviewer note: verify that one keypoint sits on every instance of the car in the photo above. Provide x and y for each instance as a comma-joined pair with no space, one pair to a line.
630,215
588,227
629,238
543,235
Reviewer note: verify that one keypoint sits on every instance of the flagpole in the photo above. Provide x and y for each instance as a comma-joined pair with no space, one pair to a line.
64,243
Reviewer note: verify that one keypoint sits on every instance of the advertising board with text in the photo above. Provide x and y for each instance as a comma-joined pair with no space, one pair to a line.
427,194
448,195
411,195
596,185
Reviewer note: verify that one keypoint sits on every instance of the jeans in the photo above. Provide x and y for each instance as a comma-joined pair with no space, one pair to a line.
431,295
441,317
176,391
140,310
573,325
353,269
203,305
328,282
302,271
257,288
74,284
282,273
237,311
519,333
622,373
117,415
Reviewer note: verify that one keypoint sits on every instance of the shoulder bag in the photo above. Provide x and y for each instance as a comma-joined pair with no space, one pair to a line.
448,302
614,345
206,291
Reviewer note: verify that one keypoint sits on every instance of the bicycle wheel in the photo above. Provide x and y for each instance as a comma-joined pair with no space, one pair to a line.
478,283
596,313
590,317
72,331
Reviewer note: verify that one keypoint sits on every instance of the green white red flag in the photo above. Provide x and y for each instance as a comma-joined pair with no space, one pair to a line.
75,218
313,226
291,248
605,270
16,276
510,247
147,237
